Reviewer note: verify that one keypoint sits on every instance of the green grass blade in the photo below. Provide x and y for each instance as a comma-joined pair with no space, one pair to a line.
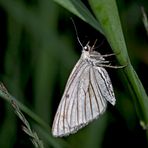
80,10
107,14
8,97
145,19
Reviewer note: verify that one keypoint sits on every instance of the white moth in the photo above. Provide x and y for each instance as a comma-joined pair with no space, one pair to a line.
86,93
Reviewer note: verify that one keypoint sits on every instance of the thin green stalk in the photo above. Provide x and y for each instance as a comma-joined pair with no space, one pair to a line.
9,98
144,19
26,110
79,9
107,14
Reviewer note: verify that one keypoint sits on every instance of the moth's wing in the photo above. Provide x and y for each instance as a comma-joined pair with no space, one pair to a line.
60,125
92,102
81,101
104,82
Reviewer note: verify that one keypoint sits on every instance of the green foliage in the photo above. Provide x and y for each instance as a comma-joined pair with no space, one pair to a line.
113,32
79,9
33,61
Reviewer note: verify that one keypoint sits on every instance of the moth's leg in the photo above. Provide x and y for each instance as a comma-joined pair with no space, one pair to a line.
112,54
102,62
108,55
110,66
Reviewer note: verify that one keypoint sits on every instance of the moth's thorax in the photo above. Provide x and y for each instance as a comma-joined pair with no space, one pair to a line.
85,54
90,55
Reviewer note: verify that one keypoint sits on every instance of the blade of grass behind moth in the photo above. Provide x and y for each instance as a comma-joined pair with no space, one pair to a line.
79,9
107,14
144,19
46,129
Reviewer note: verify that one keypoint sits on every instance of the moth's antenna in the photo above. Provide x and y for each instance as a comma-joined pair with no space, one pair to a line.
76,32
100,44
94,45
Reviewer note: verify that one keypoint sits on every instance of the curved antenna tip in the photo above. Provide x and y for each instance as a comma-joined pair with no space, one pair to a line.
76,32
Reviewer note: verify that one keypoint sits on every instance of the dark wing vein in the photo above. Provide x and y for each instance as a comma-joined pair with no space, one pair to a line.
89,90
85,104
106,85
94,89
102,76
98,88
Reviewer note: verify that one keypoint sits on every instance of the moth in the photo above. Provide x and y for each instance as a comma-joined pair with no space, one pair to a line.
86,93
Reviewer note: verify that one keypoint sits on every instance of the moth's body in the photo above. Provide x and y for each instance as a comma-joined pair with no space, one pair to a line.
86,94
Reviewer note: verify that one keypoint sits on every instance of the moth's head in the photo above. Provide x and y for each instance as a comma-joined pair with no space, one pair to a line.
85,51
88,52
87,48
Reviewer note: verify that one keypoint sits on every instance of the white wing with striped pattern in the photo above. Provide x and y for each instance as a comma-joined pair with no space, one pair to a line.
85,97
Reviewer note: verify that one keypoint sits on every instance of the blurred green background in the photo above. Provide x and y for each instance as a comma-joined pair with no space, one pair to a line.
38,49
